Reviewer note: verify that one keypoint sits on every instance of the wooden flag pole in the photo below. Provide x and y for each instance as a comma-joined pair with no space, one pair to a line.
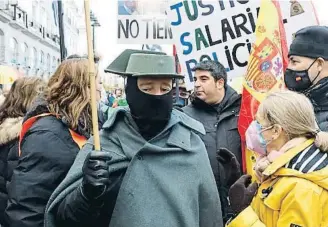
92,77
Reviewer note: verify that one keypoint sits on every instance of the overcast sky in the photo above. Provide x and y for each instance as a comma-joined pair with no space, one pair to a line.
106,40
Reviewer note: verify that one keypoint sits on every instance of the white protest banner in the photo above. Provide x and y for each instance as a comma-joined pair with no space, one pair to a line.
223,31
143,22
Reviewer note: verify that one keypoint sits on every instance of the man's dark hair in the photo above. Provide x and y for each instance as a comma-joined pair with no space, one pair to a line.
73,56
76,56
216,68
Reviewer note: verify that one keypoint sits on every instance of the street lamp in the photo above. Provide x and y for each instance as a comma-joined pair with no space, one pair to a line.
94,24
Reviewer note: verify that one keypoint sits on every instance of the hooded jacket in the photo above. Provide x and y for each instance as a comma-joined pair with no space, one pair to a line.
295,193
221,126
9,132
48,151
168,180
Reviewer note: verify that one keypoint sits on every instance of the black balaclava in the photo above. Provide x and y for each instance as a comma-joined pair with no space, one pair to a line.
150,112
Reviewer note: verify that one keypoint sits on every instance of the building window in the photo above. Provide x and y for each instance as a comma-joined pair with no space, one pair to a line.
69,18
34,11
43,17
14,50
54,65
25,54
34,57
48,63
72,45
49,27
42,58
2,46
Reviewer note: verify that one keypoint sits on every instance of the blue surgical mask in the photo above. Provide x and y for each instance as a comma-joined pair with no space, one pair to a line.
181,102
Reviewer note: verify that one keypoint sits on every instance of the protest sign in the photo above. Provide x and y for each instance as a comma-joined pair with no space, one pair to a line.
224,31
143,22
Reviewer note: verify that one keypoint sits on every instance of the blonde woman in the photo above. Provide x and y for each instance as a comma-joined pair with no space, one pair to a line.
16,103
292,168
61,124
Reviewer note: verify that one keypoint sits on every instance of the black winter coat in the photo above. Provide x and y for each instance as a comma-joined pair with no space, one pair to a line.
318,95
221,125
48,151
9,132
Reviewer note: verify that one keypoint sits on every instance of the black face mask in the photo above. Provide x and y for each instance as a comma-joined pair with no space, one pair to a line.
299,80
150,112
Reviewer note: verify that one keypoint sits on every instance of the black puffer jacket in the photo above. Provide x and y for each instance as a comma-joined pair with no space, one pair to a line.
319,98
9,132
48,151
221,125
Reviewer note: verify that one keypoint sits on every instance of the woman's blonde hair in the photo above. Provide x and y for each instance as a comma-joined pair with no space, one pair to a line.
68,93
20,97
295,114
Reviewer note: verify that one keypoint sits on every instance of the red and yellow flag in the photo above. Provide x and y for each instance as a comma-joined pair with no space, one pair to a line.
266,66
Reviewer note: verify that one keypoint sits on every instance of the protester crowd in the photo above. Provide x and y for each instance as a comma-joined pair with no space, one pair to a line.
168,157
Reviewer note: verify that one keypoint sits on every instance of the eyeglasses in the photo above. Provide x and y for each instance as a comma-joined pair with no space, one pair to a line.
263,128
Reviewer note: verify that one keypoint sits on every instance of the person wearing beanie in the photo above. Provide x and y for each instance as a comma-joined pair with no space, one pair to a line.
152,169
307,71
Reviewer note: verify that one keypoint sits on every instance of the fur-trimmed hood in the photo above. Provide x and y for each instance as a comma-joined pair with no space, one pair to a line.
10,129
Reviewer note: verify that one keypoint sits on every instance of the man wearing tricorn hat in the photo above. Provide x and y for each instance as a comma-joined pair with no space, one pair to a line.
153,168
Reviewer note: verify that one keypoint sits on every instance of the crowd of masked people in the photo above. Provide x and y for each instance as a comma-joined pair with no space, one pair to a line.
167,158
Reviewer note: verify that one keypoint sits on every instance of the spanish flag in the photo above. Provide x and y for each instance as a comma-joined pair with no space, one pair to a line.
265,70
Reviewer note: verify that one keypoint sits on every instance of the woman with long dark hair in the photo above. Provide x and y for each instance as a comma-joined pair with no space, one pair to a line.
54,131
12,110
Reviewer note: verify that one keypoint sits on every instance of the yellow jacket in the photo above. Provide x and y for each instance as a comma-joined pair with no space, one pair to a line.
295,195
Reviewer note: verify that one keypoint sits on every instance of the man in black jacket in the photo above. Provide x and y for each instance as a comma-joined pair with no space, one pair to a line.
307,70
217,105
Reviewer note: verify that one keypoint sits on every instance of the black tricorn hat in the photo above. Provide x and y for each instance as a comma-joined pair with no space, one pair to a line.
143,63
119,65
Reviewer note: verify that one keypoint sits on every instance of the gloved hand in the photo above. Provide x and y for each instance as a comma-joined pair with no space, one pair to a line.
231,171
241,193
95,174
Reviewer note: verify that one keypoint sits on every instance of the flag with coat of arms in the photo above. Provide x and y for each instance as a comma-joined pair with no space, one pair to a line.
266,66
